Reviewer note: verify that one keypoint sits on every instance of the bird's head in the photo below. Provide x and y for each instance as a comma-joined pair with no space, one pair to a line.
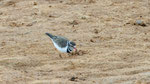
72,45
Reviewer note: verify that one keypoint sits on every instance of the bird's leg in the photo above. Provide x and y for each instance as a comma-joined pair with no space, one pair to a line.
60,55
70,54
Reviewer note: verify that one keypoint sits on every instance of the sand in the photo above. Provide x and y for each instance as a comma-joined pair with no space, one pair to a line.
113,48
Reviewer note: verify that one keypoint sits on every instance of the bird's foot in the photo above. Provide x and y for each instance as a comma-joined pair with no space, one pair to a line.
71,54
60,56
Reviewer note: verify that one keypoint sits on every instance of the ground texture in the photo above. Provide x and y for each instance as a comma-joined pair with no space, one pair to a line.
113,48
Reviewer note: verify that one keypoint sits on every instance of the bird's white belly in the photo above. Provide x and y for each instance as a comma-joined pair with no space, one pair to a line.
59,48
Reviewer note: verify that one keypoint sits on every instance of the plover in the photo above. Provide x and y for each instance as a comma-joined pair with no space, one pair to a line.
62,44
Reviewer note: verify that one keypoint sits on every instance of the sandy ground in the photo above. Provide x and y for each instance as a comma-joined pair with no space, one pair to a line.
114,50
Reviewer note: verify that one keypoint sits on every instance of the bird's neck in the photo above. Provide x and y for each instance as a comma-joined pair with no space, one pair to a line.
68,48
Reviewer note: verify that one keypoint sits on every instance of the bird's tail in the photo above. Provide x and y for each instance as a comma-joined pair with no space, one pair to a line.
50,35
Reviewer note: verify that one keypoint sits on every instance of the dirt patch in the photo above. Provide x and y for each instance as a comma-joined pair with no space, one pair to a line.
112,38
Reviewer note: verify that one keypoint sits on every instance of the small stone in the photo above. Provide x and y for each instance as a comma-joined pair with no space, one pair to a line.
50,16
96,31
73,78
1,13
35,3
30,24
61,1
50,6
3,43
74,22
83,18
141,23
91,40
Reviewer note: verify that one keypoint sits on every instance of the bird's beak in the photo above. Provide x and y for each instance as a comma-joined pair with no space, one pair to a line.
75,48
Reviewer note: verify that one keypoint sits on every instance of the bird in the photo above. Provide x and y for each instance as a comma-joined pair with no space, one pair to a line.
62,44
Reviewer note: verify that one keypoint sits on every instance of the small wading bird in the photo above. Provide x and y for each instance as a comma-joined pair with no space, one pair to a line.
62,44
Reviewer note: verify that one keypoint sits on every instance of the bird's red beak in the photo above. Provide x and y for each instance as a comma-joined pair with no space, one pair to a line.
75,49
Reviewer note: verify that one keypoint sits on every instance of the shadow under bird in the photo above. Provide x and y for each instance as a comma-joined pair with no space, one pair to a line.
62,44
